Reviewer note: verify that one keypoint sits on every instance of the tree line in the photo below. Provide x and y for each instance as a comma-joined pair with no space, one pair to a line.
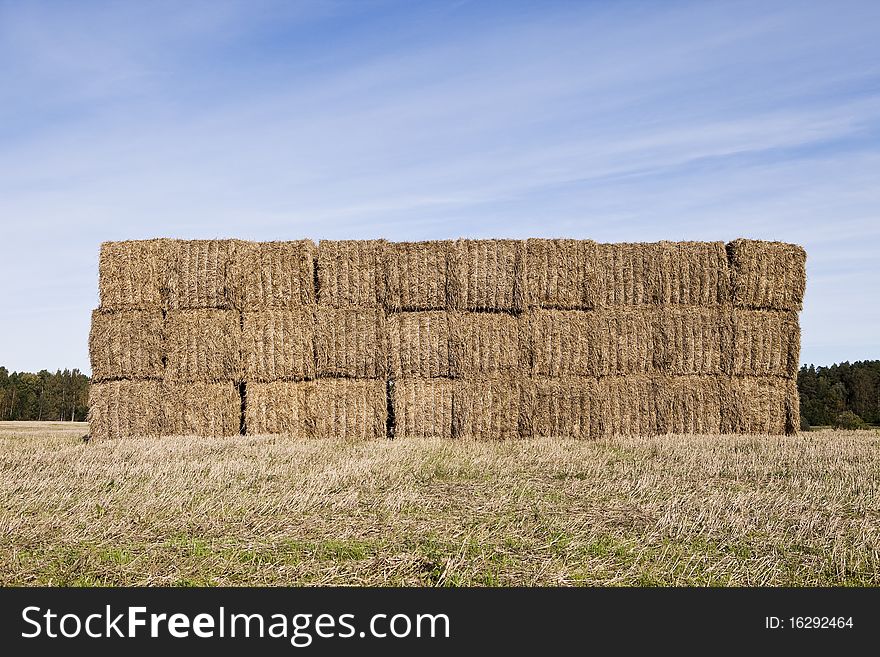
62,396
844,394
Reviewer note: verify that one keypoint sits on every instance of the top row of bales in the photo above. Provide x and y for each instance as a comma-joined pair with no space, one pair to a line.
493,275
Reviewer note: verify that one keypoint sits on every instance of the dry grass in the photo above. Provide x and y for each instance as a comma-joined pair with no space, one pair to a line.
673,510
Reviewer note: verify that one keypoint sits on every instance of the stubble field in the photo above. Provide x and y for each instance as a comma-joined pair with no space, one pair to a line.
670,510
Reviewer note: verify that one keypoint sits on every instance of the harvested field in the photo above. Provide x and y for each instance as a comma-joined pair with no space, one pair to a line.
351,273
351,342
417,275
751,510
203,345
128,344
279,344
488,275
273,275
132,274
200,409
420,344
422,408
767,275
121,409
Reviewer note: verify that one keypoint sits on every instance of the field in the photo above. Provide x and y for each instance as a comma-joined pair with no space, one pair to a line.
673,510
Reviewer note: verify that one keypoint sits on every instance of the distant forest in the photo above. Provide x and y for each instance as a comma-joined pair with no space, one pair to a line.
845,395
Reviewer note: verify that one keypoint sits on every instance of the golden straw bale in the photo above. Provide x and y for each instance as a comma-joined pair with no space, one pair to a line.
273,275
203,345
488,275
762,343
201,409
202,274
121,409
351,273
348,409
560,408
278,344
688,404
486,409
485,344
133,274
127,344
628,406
761,405
691,273
561,273
686,340
630,274
566,343
422,408
767,275
419,344
417,275
278,407
352,342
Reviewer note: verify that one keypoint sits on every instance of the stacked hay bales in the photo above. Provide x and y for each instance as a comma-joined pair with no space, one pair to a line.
477,339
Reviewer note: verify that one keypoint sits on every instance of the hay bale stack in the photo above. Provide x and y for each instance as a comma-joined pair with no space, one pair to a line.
762,343
422,408
688,404
554,407
351,273
485,344
278,407
203,345
751,404
351,342
417,276
571,343
272,275
488,275
201,409
123,409
351,410
628,406
132,275
419,344
562,273
686,340
201,274
127,344
278,344
486,409
767,275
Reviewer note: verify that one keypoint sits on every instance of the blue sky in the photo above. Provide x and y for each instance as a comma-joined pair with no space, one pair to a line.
617,121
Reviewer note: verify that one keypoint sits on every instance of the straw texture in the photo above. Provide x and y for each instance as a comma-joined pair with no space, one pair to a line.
127,345
569,407
352,342
762,343
201,409
485,344
123,409
562,273
273,275
752,404
486,409
419,344
203,345
488,275
202,274
417,275
132,274
351,410
767,275
278,407
688,404
422,408
351,273
279,344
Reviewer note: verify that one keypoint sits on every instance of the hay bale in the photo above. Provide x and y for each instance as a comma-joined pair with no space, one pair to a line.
565,343
767,275
352,410
122,409
278,407
422,408
488,275
762,343
760,405
567,408
127,344
485,344
133,274
351,273
202,274
419,344
201,409
486,409
628,406
203,345
278,344
273,275
352,342
686,340
417,276
688,404
561,274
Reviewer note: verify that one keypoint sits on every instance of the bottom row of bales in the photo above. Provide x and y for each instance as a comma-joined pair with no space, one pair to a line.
489,409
